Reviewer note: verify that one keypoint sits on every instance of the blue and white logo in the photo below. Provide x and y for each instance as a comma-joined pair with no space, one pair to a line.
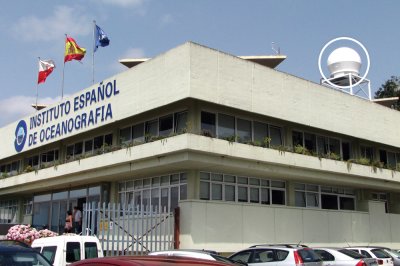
20,136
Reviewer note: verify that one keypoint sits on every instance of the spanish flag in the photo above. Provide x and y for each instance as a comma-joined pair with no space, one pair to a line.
72,50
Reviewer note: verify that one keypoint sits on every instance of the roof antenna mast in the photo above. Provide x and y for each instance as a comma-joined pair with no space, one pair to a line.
275,48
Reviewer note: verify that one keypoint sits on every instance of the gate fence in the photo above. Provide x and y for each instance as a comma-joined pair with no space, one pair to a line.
130,229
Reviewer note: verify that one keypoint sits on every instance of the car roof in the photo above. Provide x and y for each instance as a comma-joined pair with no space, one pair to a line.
280,245
64,237
150,261
366,248
9,242
15,248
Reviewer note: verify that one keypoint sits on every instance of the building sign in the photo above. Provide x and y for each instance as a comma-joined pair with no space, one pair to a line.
83,111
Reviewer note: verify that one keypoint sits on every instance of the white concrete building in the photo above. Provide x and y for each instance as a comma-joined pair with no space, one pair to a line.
249,154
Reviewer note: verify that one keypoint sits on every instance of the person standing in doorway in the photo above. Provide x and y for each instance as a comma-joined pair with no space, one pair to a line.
77,220
68,222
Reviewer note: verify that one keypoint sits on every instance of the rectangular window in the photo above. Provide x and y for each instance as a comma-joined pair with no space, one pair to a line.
297,138
216,191
73,252
367,152
108,139
312,199
208,124
138,133
383,156
90,250
322,147
244,130
89,146
181,122
226,127
276,136
329,202
166,125
334,146
346,151
254,195
204,190
278,197
310,142
125,135
98,142
78,149
265,196
70,152
300,199
347,203
260,132
151,129
230,193
242,194
391,162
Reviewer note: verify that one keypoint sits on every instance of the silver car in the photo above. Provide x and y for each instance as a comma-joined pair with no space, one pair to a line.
343,257
274,255
379,254
392,253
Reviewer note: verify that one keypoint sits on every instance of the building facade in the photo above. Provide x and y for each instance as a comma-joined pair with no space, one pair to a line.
249,155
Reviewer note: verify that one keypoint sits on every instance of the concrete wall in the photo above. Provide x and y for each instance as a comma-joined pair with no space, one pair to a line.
229,227
227,80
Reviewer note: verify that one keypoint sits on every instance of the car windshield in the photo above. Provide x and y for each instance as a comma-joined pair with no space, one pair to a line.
308,255
23,258
226,260
351,253
379,253
393,252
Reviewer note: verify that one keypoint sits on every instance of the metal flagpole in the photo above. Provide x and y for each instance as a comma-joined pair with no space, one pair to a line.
37,89
94,46
62,85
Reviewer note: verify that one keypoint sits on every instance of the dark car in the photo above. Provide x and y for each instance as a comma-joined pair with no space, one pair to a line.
148,261
17,254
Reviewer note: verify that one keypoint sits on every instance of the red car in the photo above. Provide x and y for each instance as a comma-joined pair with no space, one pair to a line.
148,261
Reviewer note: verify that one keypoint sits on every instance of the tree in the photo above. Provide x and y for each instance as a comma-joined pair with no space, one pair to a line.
391,88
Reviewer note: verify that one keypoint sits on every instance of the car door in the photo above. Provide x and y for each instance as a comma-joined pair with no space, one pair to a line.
264,256
327,258
242,256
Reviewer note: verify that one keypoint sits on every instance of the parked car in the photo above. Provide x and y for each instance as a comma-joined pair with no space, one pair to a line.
383,258
282,255
199,254
149,261
65,249
344,257
394,254
20,254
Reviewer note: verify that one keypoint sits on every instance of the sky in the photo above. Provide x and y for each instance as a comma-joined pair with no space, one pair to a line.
147,28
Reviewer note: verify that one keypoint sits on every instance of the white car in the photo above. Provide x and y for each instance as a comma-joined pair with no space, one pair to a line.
66,249
278,255
198,254
343,257
382,257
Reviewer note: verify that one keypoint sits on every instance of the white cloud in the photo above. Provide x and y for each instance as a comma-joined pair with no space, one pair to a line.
14,108
63,20
166,19
123,3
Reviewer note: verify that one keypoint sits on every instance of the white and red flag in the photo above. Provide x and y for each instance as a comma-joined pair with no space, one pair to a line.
45,69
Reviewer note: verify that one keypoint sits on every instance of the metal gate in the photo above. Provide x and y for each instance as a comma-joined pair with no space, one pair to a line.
129,230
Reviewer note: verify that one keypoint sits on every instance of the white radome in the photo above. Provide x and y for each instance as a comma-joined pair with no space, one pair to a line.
344,61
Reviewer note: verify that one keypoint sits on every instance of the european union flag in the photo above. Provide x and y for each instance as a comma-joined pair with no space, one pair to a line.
101,38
